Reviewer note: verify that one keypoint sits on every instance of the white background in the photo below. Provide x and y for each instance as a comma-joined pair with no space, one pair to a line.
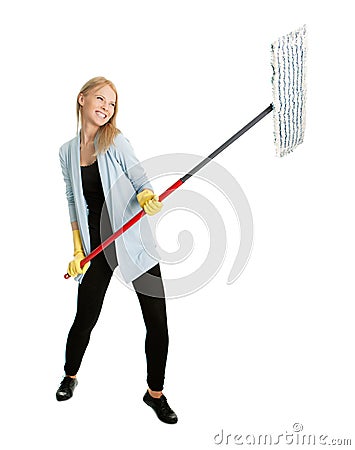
272,349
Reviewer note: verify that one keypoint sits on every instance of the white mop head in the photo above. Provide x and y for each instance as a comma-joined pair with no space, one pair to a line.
288,60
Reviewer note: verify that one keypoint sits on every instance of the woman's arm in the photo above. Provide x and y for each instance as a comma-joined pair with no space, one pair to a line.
131,165
68,191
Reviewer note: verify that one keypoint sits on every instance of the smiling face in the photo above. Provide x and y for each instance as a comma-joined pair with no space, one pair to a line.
98,105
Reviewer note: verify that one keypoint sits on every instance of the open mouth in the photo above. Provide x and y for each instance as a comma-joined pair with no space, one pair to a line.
100,114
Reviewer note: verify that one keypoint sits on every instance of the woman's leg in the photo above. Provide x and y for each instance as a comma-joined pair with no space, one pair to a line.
91,293
150,291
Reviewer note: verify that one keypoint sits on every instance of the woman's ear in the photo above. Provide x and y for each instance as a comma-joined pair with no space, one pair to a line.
81,99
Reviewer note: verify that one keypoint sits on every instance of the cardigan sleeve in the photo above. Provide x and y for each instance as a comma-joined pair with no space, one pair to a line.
68,186
131,165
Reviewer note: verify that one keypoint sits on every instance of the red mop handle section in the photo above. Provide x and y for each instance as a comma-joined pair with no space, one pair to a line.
125,227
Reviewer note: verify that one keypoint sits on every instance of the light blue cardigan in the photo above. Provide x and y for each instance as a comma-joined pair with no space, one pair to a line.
122,177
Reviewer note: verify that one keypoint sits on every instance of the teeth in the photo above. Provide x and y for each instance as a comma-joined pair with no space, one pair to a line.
100,114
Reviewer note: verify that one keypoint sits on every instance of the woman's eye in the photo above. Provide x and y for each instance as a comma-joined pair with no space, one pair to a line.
100,98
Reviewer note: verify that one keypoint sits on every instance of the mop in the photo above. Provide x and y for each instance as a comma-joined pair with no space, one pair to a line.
288,61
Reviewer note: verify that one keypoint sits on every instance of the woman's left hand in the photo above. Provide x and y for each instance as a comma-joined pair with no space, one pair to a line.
153,206
144,196
149,202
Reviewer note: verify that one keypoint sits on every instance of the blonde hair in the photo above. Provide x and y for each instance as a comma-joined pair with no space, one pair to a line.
106,133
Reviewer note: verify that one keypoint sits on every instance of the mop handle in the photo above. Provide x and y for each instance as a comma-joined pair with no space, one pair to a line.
172,188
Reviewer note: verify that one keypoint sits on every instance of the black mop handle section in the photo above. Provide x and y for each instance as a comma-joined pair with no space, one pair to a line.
227,143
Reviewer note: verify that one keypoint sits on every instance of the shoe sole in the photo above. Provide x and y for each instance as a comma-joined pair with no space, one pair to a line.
62,398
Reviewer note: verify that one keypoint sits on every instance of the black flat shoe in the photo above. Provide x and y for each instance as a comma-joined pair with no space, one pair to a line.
161,408
66,388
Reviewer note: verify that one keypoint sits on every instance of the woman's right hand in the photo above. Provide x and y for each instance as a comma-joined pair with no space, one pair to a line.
74,268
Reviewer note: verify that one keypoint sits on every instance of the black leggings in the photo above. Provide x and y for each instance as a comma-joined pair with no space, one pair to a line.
91,294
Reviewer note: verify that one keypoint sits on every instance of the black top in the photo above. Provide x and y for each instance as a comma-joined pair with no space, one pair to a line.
93,192
95,199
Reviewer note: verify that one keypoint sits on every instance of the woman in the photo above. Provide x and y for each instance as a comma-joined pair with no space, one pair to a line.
105,187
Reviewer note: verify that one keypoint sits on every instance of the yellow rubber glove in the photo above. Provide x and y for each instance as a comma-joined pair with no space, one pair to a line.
149,202
74,268
153,206
144,196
